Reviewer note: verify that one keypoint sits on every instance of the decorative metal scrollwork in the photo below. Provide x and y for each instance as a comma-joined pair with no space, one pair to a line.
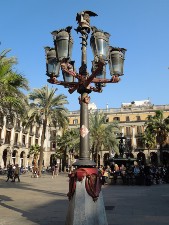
92,182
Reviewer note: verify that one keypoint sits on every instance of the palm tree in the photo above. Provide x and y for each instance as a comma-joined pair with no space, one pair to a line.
11,85
149,140
110,141
102,134
68,143
157,129
47,109
35,150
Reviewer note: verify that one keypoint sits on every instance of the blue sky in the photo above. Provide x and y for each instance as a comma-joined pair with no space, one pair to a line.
140,26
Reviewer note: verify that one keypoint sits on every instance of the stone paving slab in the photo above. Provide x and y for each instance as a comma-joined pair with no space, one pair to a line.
43,201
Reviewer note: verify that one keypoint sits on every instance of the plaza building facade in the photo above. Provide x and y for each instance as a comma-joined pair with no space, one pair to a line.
131,118
15,140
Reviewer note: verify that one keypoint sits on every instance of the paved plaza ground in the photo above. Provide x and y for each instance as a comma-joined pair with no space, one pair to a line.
43,201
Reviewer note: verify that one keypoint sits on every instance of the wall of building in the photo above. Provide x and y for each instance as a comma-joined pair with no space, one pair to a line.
15,141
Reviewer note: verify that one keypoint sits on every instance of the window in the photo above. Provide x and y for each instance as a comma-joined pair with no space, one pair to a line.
16,138
75,121
116,119
18,123
8,119
31,128
8,137
23,140
138,118
1,119
140,143
139,129
53,134
107,119
53,145
30,141
128,131
127,118
37,130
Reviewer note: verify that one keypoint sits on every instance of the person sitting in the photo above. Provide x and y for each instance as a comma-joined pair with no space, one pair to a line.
136,171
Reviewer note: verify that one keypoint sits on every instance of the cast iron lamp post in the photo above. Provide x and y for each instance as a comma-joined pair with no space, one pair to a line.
86,202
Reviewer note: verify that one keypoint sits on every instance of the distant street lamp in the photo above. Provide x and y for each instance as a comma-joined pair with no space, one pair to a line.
86,202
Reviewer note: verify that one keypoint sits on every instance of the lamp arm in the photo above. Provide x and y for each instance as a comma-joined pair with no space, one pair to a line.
85,82
93,75
114,79
72,73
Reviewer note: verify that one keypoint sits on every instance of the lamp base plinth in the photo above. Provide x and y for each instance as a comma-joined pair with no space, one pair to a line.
83,210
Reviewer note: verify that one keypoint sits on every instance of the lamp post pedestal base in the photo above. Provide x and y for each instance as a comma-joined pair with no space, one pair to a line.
83,209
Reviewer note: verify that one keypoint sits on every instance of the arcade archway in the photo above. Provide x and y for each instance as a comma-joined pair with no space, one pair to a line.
15,159
53,160
22,159
141,158
4,157
166,157
153,158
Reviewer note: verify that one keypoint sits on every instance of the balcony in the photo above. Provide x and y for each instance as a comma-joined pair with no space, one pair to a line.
1,123
1,141
9,126
18,129
23,145
53,138
7,142
37,135
24,131
53,149
128,135
17,145
31,133
139,135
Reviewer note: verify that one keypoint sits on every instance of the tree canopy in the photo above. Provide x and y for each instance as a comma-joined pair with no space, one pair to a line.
12,84
157,129
102,135
48,110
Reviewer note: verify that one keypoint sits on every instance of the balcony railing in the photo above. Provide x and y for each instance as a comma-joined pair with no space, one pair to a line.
1,123
128,135
1,141
17,145
139,135
24,131
53,149
9,125
18,129
31,133
23,145
37,135
53,138
7,141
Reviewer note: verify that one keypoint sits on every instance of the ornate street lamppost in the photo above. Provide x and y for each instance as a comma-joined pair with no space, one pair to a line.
86,202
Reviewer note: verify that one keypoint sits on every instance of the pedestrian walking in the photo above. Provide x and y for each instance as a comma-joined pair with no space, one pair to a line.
10,173
16,173
55,170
